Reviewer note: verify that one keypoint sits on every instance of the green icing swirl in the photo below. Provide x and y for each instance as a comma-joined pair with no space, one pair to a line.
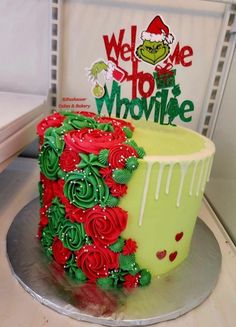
145,277
47,240
106,127
85,189
56,215
90,163
72,235
121,176
103,156
131,163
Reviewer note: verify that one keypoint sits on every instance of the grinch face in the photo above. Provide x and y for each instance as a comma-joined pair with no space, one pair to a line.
152,51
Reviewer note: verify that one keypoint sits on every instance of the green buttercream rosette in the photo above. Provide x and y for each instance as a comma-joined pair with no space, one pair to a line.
90,163
40,189
145,277
121,176
85,189
56,215
72,235
50,152
103,156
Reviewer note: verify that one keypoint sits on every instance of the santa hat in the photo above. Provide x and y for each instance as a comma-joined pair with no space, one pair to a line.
157,31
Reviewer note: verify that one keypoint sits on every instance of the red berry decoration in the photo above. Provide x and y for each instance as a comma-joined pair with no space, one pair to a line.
179,236
173,255
161,254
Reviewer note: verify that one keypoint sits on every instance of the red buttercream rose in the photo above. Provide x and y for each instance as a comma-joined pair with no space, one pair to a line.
118,155
74,214
68,160
116,189
92,140
130,247
60,253
58,191
43,216
96,261
104,225
54,120
47,190
131,281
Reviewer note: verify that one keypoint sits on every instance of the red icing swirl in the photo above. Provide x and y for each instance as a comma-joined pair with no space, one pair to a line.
116,189
95,261
54,120
118,155
104,225
68,160
60,253
92,140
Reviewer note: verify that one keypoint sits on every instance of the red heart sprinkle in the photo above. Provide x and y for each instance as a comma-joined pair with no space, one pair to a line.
179,236
172,256
161,254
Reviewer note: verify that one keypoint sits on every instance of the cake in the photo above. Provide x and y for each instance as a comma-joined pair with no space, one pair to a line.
119,199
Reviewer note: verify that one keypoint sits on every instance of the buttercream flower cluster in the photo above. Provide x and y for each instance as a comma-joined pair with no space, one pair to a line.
86,162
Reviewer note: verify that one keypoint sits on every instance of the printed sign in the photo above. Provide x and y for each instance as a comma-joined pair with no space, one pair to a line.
153,94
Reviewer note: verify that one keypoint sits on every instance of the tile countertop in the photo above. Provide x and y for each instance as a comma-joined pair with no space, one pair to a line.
17,308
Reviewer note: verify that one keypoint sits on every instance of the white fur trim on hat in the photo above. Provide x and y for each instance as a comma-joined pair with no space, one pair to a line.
152,37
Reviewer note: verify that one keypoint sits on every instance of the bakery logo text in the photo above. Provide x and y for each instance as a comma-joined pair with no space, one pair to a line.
154,95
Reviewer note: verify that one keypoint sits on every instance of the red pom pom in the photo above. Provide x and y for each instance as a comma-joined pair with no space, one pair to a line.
131,281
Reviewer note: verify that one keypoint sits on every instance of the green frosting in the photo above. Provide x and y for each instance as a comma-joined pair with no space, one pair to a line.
90,163
72,235
103,156
118,245
74,271
49,161
56,141
131,163
61,173
78,121
56,215
141,152
145,278
127,262
47,240
85,189
135,269
105,127
79,275
121,176
112,201
128,132
106,282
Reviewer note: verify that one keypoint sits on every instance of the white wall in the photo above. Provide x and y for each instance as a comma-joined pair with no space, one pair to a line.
24,46
221,189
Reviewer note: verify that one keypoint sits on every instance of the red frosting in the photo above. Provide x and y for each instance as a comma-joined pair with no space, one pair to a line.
54,120
104,225
60,253
131,281
74,214
130,247
68,160
92,140
95,261
116,189
43,216
118,124
118,155
47,190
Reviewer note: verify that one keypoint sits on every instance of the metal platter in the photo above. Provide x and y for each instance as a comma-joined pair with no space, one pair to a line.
167,297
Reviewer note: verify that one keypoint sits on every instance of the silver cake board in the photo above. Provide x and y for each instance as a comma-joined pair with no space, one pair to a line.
167,297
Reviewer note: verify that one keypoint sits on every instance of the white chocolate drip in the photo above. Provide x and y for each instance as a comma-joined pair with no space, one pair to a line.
159,178
184,168
198,181
169,177
145,190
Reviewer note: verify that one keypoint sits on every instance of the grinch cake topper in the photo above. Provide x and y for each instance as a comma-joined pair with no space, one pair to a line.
156,40
138,81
